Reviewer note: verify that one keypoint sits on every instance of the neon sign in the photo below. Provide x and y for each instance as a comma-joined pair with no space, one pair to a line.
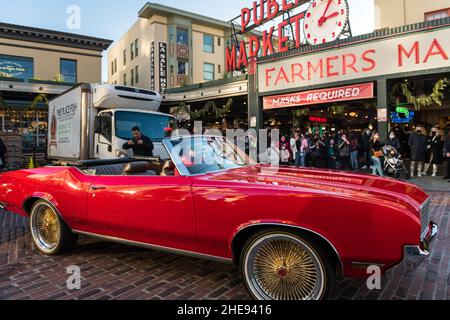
402,115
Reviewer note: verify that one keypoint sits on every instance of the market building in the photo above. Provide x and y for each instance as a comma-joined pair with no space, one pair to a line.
35,66
331,80
168,48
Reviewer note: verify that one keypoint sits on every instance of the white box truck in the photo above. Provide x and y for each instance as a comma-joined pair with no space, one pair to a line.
94,121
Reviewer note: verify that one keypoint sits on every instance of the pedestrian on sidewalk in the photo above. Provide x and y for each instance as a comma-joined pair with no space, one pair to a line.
435,147
418,144
354,151
376,148
344,152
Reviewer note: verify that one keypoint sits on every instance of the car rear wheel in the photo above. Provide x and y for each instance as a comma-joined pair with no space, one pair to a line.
278,265
50,234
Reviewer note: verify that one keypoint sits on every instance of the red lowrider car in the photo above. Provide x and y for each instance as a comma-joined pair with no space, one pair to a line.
291,231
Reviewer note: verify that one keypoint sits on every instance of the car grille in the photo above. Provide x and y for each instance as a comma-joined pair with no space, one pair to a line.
425,218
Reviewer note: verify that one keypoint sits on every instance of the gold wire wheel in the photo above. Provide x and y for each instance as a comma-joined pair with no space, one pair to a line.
282,267
45,227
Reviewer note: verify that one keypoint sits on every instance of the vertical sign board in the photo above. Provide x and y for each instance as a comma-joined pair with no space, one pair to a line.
152,67
162,67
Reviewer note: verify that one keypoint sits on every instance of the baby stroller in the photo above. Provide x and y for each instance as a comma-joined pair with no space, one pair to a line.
394,165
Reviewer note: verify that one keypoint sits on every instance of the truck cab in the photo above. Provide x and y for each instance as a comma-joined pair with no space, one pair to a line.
113,130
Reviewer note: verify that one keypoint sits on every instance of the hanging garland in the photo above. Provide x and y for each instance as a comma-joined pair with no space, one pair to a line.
209,109
435,97
337,110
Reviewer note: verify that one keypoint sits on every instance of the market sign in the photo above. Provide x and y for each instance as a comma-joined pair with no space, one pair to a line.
347,93
324,21
406,53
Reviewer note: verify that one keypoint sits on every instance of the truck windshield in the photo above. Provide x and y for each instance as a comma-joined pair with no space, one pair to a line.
152,125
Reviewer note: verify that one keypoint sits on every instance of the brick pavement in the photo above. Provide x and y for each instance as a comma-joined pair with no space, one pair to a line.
112,271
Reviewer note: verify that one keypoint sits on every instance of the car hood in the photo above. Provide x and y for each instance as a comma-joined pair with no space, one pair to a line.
329,182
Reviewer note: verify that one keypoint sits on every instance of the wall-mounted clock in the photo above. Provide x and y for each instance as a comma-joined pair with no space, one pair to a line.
326,21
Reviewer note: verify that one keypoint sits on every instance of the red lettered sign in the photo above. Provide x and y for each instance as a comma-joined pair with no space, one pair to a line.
347,93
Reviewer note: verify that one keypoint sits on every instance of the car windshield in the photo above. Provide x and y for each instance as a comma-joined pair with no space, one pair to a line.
153,126
202,155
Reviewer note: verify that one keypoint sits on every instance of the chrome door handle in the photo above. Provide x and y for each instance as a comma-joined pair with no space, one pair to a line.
98,188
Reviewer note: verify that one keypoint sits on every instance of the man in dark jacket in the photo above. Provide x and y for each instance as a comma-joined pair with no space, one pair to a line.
418,144
142,146
2,154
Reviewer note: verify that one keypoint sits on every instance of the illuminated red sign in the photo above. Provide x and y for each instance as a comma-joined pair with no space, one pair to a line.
317,119
347,93
261,12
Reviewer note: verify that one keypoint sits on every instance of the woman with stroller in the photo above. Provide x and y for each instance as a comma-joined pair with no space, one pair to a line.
393,141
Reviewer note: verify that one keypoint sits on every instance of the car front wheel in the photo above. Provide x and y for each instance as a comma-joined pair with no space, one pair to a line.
50,234
278,265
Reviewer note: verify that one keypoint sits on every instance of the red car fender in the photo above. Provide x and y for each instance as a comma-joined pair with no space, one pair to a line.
283,224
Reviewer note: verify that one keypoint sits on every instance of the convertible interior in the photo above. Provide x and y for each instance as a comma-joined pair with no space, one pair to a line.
128,167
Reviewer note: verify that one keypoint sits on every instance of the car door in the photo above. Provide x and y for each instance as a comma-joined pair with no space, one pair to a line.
154,210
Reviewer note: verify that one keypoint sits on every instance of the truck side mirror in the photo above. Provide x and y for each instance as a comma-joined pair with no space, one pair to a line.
98,125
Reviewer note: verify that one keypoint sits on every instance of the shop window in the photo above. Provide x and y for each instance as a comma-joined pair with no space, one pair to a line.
132,77
68,69
219,42
208,71
125,79
16,67
182,36
124,57
183,68
132,51
208,43
436,15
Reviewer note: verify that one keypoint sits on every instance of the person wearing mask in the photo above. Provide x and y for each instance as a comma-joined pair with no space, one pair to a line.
344,152
447,154
293,146
302,147
435,154
354,151
333,152
2,154
418,145
393,141
376,155
142,146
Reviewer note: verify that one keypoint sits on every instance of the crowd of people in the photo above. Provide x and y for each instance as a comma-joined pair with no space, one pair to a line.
356,150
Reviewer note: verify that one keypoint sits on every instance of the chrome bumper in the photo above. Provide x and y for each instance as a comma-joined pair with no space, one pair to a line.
416,254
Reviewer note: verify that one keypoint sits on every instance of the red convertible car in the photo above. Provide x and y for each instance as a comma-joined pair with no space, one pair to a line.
291,231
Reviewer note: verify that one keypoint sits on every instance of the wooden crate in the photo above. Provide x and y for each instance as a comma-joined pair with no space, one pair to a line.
13,143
